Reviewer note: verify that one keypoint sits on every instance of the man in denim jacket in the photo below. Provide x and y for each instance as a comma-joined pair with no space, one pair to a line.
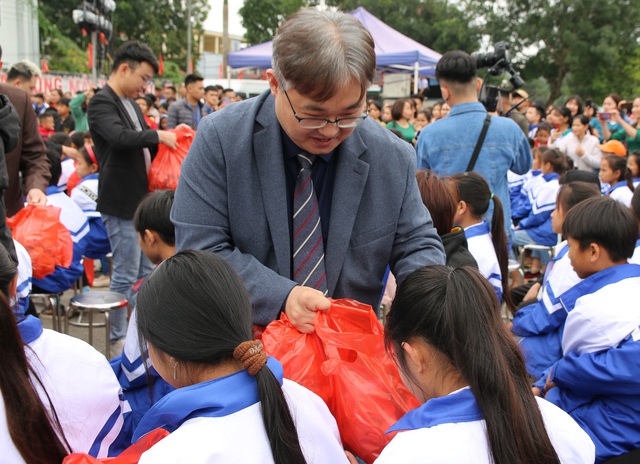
446,146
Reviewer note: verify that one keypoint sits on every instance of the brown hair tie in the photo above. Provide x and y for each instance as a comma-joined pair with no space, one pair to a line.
251,355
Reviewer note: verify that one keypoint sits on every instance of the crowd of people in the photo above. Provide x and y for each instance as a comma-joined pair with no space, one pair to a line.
309,192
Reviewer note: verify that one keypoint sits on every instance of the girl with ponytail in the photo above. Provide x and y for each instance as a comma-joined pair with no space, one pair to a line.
28,433
456,355
488,245
231,403
59,394
614,171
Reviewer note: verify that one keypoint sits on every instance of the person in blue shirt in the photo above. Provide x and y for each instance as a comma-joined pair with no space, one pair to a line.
456,355
446,146
593,379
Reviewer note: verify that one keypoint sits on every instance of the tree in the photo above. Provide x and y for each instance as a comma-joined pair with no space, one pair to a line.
162,24
437,24
262,18
587,44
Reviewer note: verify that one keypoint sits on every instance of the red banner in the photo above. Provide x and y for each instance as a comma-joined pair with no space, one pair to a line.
72,83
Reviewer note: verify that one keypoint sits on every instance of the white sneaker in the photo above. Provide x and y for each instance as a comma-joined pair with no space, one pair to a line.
101,281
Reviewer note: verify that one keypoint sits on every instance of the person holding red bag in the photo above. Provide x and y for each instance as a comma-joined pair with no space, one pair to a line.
457,356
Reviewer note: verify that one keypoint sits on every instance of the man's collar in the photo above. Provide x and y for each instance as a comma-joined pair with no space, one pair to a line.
469,107
291,150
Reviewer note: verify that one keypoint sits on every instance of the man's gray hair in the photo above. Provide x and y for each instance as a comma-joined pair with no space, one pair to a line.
25,69
318,52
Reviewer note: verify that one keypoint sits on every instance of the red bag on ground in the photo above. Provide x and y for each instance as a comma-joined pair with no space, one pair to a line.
344,361
46,239
129,456
164,172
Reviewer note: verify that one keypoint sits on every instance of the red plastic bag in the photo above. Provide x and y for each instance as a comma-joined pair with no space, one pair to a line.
344,361
46,239
164,172
129,456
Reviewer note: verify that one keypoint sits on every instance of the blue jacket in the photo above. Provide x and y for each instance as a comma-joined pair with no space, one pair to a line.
538,222
601,391
446,147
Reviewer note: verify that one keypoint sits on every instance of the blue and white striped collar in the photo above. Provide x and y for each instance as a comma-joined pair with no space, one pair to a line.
90,177
214,398
456,407
481,228
30,329
616,186
550,176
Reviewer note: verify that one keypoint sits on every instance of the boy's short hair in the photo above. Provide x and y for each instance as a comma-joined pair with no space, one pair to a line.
456,66
44,116
153,213
53,155
77,138
133,53
545,126
60,138
615,228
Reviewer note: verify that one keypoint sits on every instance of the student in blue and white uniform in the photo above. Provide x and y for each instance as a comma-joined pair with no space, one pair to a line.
614,171
633,164
73,381
72,217
541,322
25,275
195,316
487,245
603,317
521,205
536,227
635,207
85,194
156,234
456,355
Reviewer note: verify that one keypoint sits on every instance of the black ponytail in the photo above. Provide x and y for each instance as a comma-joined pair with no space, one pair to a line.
476,193
194,308
36,434
455,311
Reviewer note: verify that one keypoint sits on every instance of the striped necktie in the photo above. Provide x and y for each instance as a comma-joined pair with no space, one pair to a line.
308,247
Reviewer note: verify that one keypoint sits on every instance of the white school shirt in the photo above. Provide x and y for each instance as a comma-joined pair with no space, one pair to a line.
71,216
25,271
68,167
86,195
603,319
466,442
83,389
481,247
561,277
621,193
241,437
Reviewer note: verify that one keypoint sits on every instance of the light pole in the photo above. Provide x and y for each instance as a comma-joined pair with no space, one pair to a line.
188,68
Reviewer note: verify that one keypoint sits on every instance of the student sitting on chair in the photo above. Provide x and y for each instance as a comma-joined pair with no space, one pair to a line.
595,380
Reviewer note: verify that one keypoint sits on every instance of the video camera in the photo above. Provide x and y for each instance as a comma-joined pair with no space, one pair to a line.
498,61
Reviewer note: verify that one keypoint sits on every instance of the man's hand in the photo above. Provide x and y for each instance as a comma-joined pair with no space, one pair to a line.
168,138
36,197
302,305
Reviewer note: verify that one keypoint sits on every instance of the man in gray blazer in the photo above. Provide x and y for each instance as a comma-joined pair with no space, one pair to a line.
239,193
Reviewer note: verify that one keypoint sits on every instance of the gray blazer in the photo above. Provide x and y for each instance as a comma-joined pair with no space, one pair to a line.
231,199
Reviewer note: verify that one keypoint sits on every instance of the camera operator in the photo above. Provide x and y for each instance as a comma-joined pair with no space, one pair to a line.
508,109
447,145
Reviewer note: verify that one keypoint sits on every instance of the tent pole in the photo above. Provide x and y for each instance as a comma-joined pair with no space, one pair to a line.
416,76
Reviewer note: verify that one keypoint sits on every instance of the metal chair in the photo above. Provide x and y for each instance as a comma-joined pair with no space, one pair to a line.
100,301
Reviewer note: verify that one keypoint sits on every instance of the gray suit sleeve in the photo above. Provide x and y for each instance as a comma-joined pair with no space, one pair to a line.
201,217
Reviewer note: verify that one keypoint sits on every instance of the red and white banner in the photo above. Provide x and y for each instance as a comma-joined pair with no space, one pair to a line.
72,83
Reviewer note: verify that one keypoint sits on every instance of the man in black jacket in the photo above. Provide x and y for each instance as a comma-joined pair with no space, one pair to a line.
123,146
9,135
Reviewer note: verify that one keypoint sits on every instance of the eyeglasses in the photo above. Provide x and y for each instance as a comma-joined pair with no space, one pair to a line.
319,123
146,79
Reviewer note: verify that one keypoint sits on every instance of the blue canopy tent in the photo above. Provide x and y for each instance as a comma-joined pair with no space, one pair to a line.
393,50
